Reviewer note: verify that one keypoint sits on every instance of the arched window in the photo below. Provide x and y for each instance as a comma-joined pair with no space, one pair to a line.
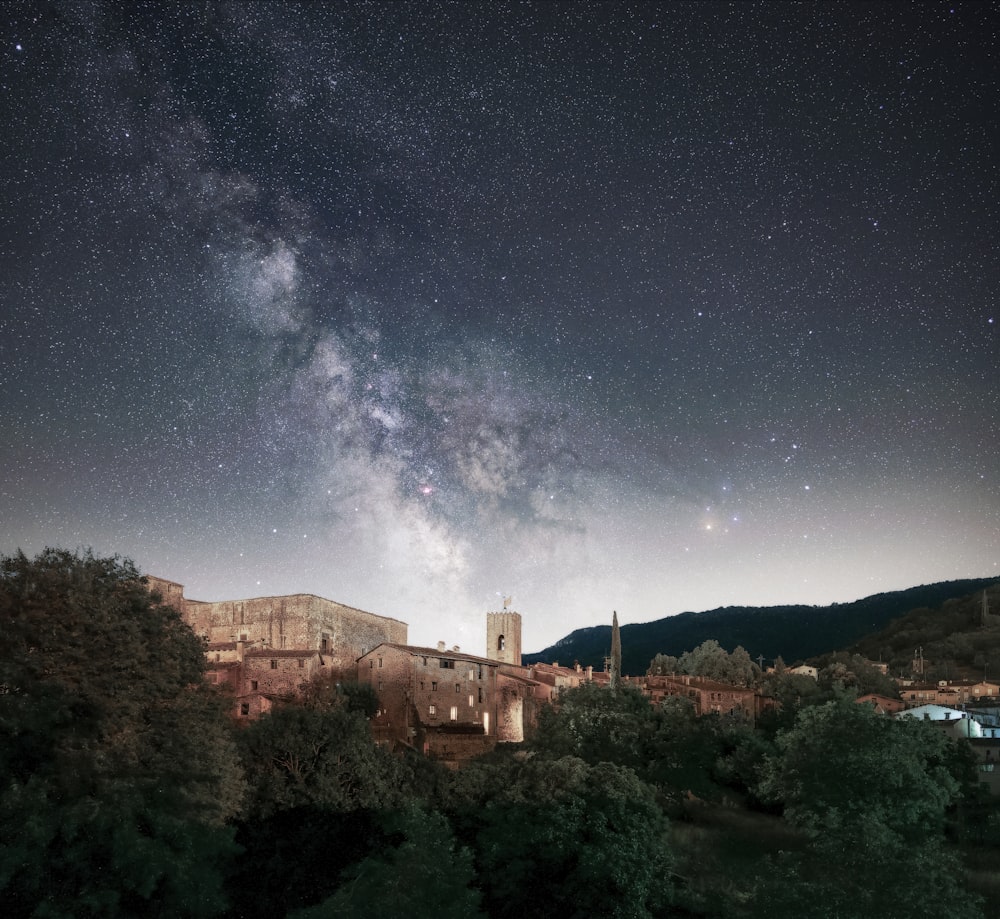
501,644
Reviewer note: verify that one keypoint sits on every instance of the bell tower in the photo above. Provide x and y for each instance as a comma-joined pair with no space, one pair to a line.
503,636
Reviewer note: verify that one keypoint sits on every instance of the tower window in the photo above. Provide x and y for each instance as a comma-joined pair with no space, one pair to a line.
501,643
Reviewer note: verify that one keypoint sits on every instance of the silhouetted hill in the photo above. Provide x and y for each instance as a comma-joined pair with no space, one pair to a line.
794,632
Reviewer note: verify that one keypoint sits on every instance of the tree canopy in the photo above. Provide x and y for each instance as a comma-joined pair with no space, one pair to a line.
115,765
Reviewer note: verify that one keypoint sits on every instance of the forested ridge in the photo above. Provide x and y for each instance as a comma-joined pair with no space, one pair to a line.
125,790
790,632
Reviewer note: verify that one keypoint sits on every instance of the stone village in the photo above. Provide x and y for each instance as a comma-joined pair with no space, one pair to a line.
453,705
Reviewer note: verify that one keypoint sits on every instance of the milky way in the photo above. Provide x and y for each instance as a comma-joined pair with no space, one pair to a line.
646,307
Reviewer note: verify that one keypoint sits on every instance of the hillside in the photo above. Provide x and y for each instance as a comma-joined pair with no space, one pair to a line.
793,632
953,638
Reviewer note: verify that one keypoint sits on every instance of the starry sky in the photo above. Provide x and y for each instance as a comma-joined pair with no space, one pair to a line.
646,307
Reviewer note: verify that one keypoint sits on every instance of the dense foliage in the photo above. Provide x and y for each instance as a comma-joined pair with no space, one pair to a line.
118,772
124,790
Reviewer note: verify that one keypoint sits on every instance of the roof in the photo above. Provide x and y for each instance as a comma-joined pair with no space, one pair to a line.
274,652
417,651
697,682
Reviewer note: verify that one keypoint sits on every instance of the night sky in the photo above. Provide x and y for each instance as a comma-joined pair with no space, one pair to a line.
415,306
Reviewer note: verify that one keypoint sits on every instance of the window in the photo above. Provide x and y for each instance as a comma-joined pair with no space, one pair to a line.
454,713
472,700
244,709
434,686
253,685
458,687
324,643
425,661
274,665
480,693
447,665
380,662
302,662
501,643
433,710
379,685
422,685
371,665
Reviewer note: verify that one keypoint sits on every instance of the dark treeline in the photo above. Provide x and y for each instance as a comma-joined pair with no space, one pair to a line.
125,790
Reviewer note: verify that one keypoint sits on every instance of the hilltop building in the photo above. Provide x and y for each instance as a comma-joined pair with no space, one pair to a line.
265,648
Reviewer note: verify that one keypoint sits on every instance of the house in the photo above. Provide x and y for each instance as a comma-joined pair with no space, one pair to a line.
884,705
707,696
443,702
804,670
949,692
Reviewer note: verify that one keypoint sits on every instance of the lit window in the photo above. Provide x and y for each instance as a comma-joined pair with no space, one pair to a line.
471,700
433,710
454,713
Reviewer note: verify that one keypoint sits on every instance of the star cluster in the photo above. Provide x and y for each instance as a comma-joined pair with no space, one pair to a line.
632,306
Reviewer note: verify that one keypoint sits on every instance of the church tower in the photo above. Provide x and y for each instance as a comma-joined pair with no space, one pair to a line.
503,636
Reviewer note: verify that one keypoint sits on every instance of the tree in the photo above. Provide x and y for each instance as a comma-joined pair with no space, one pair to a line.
418,866
663,665
712,661
116,765
871,794
560,836
616,653
298,756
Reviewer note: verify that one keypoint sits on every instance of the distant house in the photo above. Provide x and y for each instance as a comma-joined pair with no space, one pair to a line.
949,693
707,696
885,705
804,670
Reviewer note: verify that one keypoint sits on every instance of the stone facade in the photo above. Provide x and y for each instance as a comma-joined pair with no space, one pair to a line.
442,701
503,637
266,648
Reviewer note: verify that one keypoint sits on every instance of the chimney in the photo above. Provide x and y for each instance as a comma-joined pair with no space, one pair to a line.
455,648
590,674
441,646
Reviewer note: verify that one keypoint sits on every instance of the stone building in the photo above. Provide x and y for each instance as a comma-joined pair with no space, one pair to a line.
449,703
707,696
265,648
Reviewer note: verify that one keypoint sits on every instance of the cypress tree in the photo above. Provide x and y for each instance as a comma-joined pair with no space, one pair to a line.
616,653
